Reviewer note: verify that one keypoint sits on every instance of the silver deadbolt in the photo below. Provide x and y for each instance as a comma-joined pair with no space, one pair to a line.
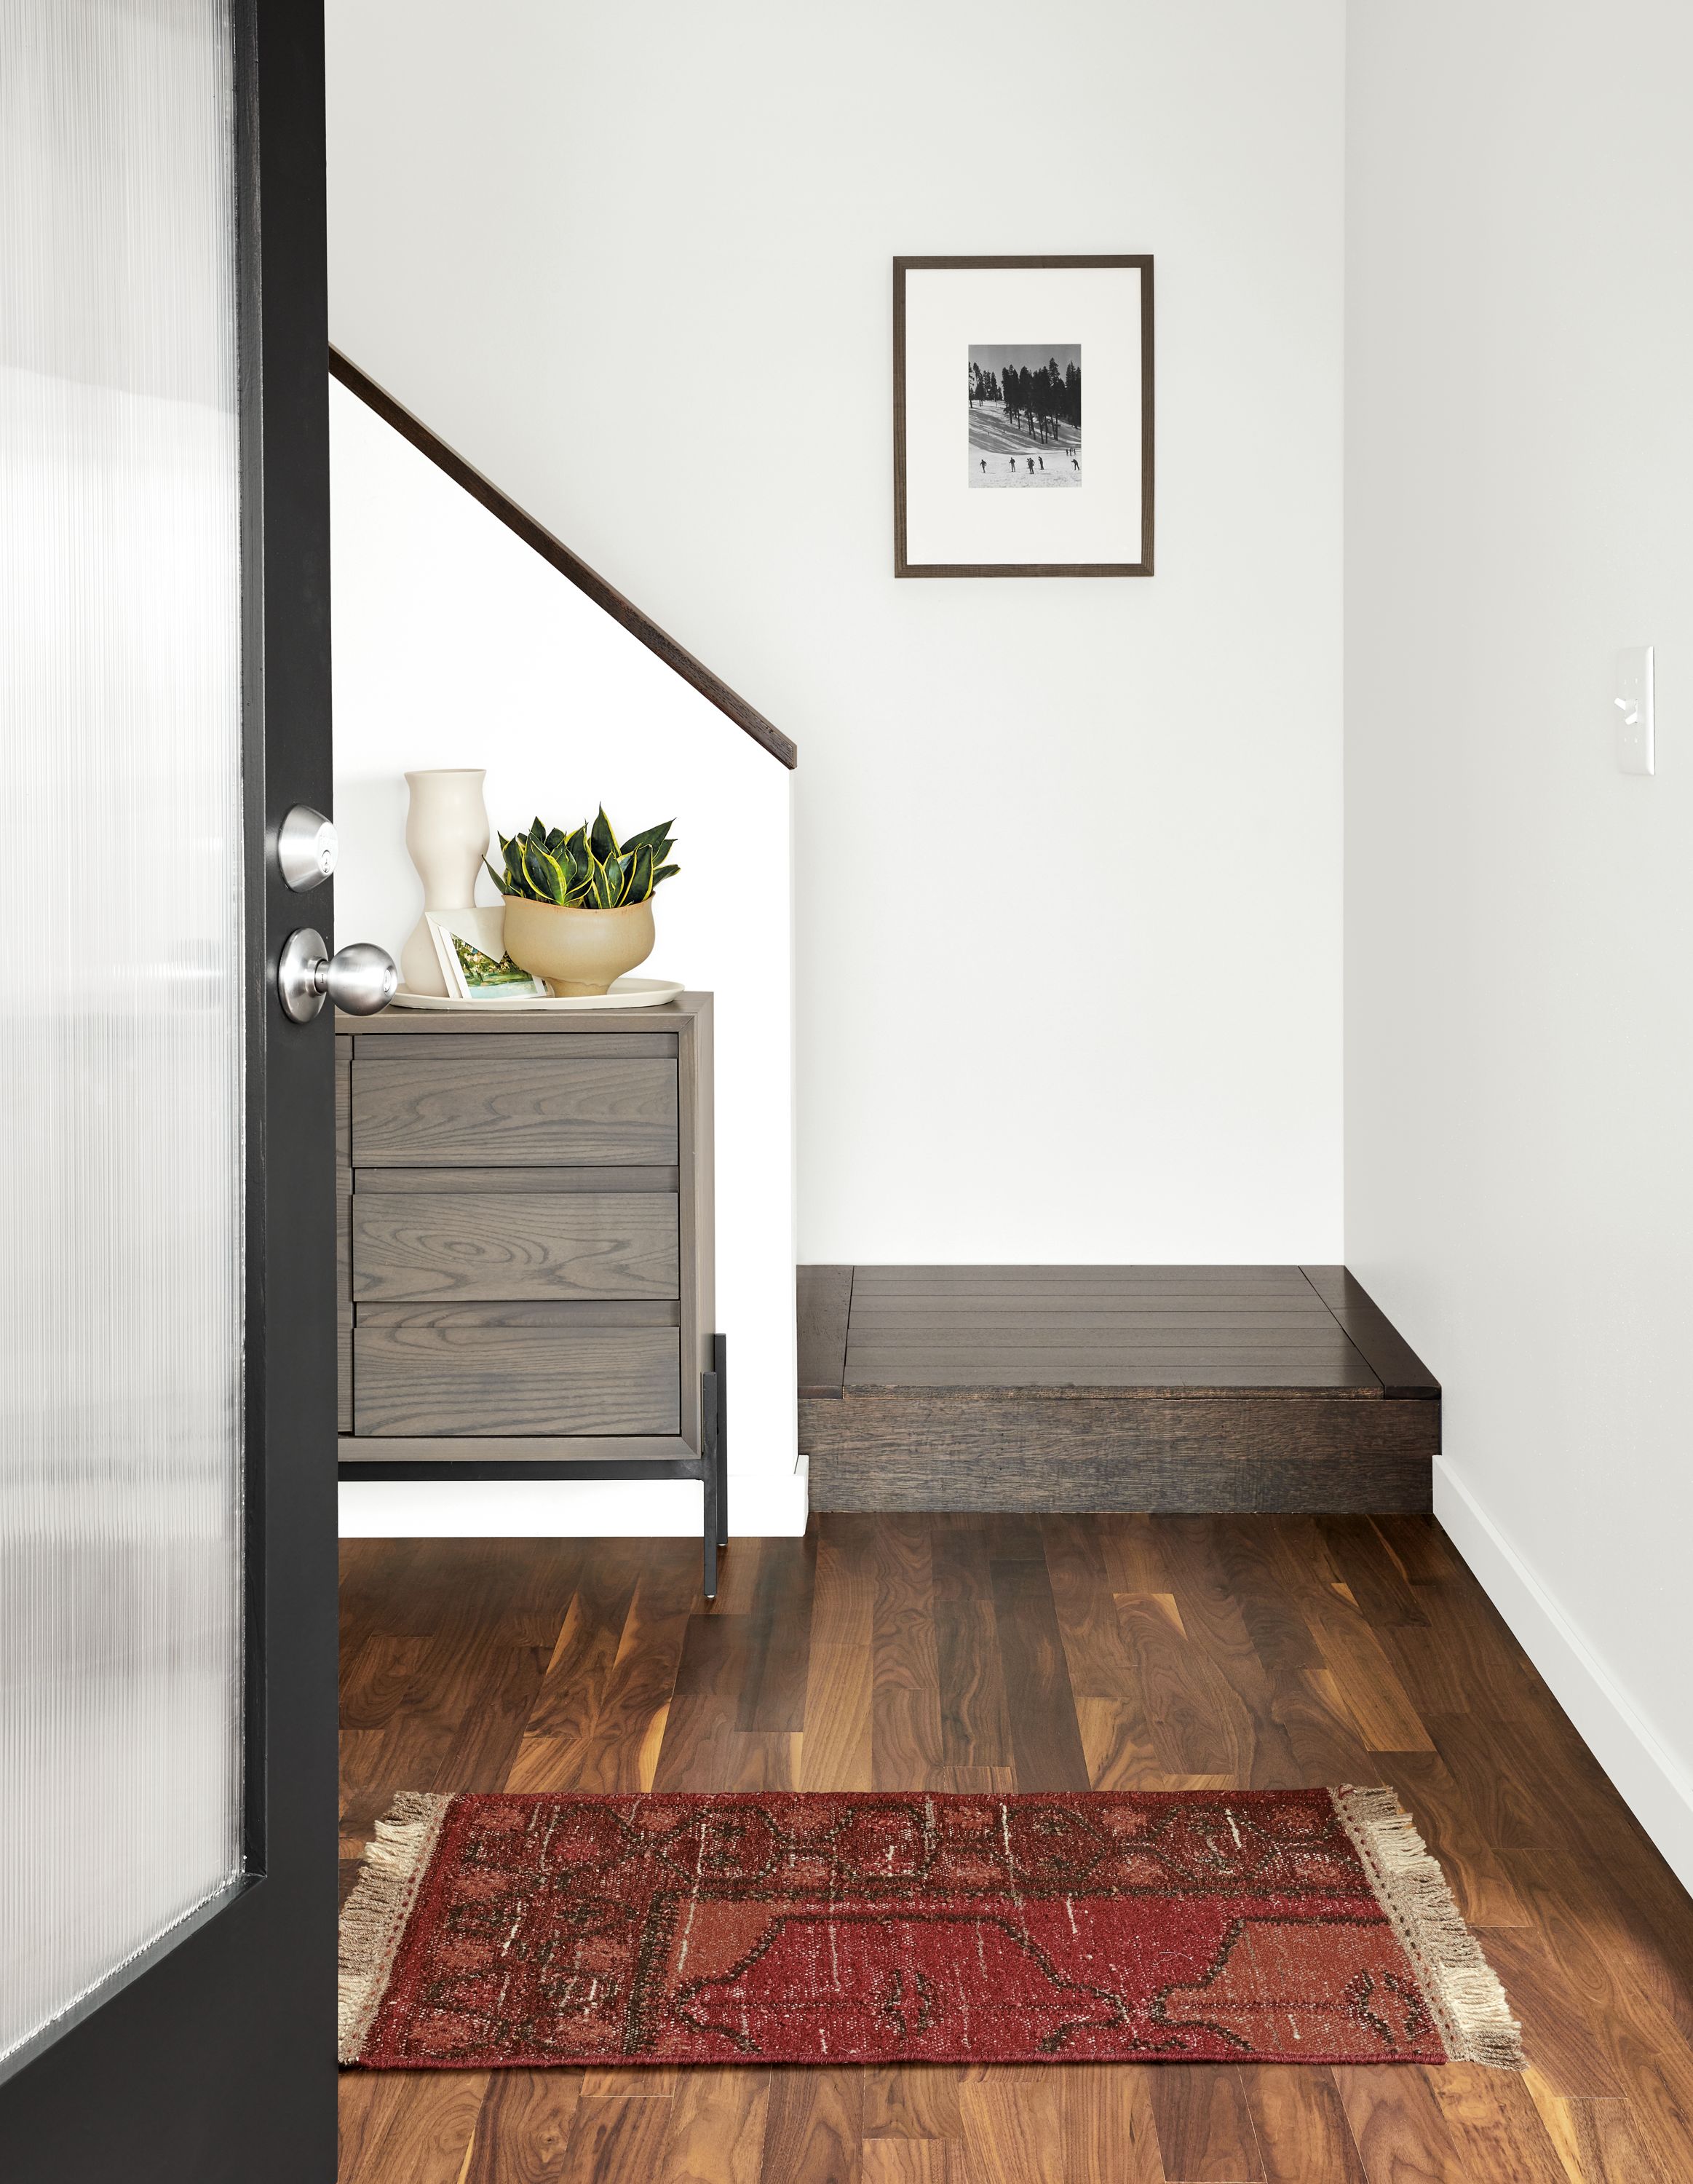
359,978
306,848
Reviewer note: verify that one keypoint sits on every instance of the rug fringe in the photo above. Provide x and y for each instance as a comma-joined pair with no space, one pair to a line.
396,1859
1463,1988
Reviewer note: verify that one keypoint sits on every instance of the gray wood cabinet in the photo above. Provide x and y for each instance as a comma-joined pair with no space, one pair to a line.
524,1247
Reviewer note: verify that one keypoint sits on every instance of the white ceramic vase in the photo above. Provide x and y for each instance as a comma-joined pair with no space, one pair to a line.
447,838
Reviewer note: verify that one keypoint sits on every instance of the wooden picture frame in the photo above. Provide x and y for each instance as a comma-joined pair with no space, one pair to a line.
941,527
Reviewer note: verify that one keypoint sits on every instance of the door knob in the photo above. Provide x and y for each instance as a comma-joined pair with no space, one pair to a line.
306,848
360,978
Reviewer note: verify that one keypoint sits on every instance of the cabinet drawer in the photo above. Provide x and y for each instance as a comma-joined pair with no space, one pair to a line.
486,1109
491,1246
512,1369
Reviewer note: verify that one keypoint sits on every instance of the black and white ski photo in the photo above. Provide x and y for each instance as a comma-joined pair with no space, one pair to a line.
1025,414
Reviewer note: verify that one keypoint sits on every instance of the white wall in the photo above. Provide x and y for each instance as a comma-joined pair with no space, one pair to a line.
455,645
1068,852
1519,913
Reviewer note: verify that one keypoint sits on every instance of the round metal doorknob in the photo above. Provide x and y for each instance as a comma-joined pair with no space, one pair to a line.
359,978
306,848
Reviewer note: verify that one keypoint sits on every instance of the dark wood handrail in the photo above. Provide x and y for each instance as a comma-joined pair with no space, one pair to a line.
558,555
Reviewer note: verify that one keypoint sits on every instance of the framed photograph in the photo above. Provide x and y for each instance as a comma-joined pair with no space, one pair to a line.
469,945
993,472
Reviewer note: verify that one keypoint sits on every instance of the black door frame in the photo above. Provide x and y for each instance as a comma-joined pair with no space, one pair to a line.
211,2058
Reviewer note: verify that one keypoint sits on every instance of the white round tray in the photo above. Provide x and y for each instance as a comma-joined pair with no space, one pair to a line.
625,993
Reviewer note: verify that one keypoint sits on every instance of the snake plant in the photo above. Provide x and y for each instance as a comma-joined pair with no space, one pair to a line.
587,869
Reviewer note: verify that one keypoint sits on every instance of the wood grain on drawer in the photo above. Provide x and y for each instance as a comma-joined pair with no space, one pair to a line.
477,1107
510,1368
491,1246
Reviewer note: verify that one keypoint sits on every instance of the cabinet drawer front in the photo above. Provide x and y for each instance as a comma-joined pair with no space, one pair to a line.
476,1108
491,1246
510,1369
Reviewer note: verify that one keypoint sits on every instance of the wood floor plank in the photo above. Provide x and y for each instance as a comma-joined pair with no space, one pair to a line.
1046,1743
523,2127
1558,2121
1421,1548
1397,2124
1479,1874
843,1583
610,1750
1218,1634
1611,2149
903,1633
905,1738
812,2132
837,1752
1129,1545
912,2100
1116,1744
1495,2125
586,1646
773,1694
905,1730
611,2141
717,2127
910,2161
975,1726
411,2125
1110,2134
377,1678
1012,2126
1205,2125
485,1742
1378,1580
1094,1651
1196,1722
696,1751
1299,2125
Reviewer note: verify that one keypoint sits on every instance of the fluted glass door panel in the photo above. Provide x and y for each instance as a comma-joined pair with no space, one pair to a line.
121,1000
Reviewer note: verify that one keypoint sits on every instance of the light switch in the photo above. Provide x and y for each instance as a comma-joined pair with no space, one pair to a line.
1636,750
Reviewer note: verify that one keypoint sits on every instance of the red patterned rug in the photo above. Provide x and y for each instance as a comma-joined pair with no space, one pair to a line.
1295,1925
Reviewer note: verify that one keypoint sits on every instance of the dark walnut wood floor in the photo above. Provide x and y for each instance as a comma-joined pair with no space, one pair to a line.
1034,1654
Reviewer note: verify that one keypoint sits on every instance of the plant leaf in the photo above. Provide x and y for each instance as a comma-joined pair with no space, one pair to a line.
502,881
665,873
641,875
602,841
544,871
656,838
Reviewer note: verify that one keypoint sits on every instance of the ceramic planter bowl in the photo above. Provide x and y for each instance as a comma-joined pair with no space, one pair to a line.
578,951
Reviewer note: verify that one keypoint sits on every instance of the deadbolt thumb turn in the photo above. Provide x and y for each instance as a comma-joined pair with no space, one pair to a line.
359,978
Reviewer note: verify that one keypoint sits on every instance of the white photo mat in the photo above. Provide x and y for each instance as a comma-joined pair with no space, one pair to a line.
941,311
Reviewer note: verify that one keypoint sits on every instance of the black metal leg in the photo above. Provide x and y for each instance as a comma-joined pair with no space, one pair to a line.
710,1485
719,1349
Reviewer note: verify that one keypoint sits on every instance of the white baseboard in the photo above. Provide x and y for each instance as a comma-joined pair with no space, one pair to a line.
761,1505
1651,1781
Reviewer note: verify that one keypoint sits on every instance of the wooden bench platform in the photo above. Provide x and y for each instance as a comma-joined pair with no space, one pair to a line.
1124,1388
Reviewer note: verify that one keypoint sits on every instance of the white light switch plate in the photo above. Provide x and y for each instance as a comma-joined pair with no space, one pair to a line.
1636,743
